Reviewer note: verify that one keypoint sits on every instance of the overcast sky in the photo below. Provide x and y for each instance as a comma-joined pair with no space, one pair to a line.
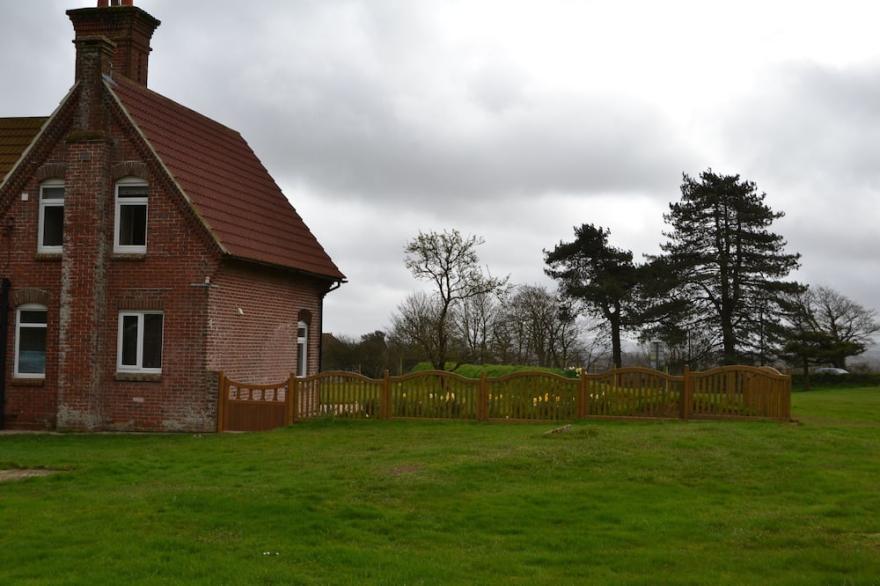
515,120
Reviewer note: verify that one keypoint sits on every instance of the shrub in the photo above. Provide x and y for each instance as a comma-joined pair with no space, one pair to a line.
495,370
798,381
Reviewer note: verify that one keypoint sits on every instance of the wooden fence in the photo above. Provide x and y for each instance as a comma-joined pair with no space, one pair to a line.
728,392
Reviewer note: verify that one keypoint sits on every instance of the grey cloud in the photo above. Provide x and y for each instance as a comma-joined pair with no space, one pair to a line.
399,117
379,125
351,141
812,134
812,122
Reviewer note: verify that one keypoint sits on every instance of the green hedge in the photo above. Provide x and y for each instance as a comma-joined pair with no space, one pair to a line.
837,380
494,370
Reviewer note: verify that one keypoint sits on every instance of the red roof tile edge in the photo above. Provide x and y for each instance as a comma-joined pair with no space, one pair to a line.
273,233
37,137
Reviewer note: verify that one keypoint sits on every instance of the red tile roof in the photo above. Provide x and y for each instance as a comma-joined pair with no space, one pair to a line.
15,136
227,184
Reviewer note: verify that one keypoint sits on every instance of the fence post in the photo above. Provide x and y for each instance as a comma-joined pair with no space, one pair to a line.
293,393
484,398
686,394
221,400
386,395
288,401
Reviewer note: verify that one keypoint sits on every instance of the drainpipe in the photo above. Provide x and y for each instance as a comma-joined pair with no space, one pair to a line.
5,285
335,286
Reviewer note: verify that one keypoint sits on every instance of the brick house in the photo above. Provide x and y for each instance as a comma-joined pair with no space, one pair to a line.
143,249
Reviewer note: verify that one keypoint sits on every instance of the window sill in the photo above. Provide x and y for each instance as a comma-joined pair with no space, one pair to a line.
50,256
28,382
129,256
139,377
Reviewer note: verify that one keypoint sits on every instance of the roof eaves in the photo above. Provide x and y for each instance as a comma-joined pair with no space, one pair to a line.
38,136
167,171
290,269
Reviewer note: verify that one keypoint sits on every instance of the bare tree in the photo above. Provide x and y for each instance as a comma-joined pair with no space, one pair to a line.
448,261
415,323
478,322
595,350
539,328
825,325
847,322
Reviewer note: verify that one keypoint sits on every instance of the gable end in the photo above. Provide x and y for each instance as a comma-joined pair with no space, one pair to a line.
149,154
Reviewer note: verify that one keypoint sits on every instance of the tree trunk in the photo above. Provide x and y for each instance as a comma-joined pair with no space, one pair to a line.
728,339
615,341
440,363
806,374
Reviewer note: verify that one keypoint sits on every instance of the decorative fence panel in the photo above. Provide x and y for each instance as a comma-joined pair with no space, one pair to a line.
434,395
634,392
533,396
246,407
729,392
339,394
740,391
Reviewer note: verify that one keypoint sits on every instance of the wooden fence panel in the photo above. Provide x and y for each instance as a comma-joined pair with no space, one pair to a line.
533,396
733,392
434,394
635,392
720,393
246,407
339,394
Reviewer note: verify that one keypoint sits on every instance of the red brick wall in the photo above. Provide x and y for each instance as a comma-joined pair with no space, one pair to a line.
87,286
258,343
169,277
32,404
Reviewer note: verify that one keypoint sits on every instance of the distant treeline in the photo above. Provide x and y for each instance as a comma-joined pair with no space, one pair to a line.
719,292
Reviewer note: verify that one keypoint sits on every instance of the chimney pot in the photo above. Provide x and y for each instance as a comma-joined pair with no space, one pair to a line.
130,29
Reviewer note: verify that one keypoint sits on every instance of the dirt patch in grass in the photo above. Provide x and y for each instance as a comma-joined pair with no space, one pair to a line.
22,473
405,469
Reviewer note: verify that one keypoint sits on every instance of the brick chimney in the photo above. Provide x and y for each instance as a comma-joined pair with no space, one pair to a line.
113,40
127,26
94,57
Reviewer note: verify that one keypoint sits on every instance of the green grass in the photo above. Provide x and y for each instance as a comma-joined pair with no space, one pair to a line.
454,502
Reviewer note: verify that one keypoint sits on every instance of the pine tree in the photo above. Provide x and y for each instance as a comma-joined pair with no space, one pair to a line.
601,277
726,263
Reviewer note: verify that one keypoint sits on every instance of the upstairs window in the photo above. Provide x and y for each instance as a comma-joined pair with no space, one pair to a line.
131,217
51,226
139,347
30,341
302,345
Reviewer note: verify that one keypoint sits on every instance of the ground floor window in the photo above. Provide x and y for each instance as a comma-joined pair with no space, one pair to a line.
302,345
140,341
30,341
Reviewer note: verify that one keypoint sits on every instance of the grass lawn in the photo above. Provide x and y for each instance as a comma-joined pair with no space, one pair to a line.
455,502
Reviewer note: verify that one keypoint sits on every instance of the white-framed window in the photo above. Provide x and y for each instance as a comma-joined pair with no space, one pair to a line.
139,348
30,341
130,221
302,349
50,233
